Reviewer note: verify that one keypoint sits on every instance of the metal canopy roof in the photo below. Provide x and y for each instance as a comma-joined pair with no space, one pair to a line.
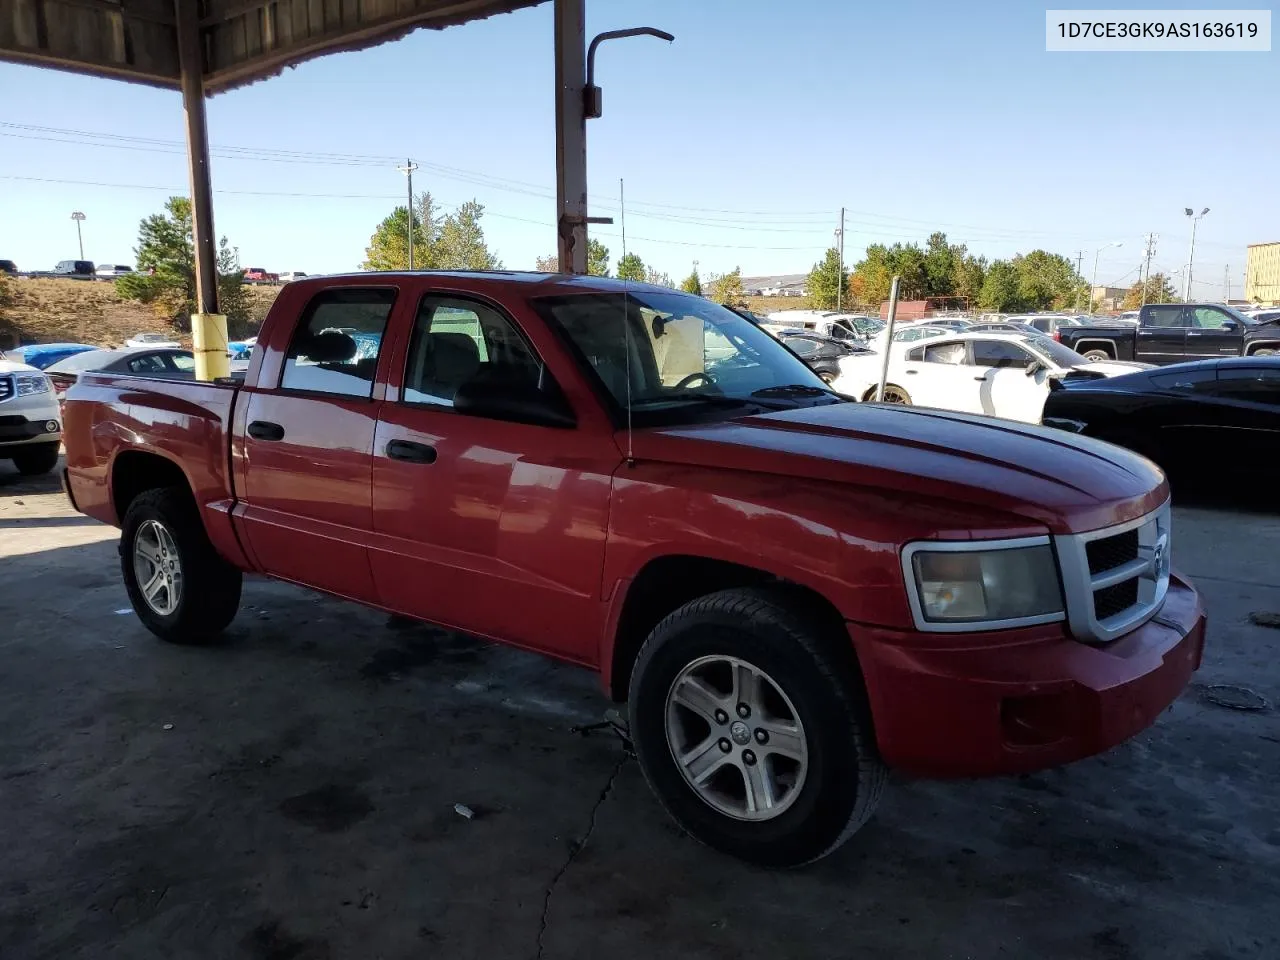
240,40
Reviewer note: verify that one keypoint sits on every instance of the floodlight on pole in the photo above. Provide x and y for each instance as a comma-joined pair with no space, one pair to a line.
592,95
79,218
1097,253
1191,257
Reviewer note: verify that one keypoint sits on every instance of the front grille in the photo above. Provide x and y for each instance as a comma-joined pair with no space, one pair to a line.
13,421
1115,579
1107,553
6,388
1109,601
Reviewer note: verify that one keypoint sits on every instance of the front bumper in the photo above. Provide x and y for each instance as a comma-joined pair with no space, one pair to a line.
1023,700
19,430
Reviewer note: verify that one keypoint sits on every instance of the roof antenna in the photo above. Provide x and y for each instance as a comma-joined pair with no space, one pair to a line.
626,324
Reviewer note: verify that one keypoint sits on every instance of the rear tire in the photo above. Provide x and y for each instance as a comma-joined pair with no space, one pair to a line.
1097,355
190,594
41,458
1264,352
807,737
892,394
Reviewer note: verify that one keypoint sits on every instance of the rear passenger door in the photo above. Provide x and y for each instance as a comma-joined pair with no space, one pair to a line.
307,442
1162,336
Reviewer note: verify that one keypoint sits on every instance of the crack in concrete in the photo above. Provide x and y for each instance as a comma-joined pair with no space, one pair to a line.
574,850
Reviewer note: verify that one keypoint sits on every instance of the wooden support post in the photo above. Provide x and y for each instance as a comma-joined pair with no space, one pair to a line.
571,135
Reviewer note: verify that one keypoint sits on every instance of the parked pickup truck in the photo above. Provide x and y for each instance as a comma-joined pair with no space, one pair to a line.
1174,332
792,593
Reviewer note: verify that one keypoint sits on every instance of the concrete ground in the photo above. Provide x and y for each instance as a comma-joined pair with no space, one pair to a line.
290,796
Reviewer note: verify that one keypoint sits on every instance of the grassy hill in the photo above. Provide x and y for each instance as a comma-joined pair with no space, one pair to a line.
46,310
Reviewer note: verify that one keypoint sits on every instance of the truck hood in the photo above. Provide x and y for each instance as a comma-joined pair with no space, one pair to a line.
14,366
1064,481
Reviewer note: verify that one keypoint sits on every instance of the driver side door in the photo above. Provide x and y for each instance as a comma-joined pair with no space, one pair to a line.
1008,390
1211,332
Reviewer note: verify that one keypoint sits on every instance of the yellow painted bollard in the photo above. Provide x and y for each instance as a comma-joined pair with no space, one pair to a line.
209,340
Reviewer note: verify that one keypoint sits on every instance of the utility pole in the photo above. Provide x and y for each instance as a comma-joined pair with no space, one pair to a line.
407,170
78,217
1079,268
840,272
1226,277
1151,239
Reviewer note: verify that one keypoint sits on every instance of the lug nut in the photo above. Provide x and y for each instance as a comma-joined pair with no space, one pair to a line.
744,711
762,736
721,717
725,746
748,758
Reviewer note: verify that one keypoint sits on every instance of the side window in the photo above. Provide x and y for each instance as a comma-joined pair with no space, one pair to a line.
182,363
916,354
1201,380
147,363
457,341
803,347
335,347
1253,384
999,353
1209,318
1163,316
953,353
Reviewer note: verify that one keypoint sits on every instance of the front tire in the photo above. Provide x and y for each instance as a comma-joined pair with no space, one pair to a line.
753,730
39,459
180,588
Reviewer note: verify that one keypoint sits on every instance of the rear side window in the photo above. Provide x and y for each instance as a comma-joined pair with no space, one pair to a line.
1163,316
457,341
147,363
953,353
1251,384
336,344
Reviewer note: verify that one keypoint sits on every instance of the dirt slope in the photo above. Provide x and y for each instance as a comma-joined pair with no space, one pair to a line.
82,311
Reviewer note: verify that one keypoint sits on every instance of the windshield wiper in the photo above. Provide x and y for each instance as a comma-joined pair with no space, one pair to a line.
716,399
791,390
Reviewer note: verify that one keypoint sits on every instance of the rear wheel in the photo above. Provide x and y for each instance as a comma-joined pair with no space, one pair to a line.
39,458
1264,352
827,376
179,587
1096,354
892,394
752,728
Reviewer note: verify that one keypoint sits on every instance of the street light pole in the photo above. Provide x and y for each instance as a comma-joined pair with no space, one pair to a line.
1191,257
78,217
1097,253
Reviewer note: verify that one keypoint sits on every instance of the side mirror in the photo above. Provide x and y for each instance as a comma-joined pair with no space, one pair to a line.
1230,326
517,402
1034,367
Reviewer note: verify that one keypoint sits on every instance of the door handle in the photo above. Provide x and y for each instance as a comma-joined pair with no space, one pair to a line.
983,377
913,372
265,430
411,452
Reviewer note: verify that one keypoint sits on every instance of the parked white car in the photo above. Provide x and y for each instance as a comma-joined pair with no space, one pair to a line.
109,271
290,275
30,422
157,340
997,374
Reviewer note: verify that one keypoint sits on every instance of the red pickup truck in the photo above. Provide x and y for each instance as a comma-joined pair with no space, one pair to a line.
792,592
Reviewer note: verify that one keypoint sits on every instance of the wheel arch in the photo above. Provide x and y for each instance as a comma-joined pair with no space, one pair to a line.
1102,343
135,471
1263,345
666,583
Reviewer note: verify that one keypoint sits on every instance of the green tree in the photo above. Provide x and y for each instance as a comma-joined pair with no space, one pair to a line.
1159,290
389,246
692,283
461,245
1045,280
871,277
166,274
631,267
941,260
548,264
727,288
1000,287
827,280
597,258
970,271
658,279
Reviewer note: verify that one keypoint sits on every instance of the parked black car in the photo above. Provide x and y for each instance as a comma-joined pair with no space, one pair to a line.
822,354
1177,332
9,267
1201,421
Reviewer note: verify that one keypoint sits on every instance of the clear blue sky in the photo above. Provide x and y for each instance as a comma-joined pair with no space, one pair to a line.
738,143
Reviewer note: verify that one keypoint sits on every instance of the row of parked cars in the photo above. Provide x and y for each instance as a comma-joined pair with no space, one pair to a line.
88,270
1188,385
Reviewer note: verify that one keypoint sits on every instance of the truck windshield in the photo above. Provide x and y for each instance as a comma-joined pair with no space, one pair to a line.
681,355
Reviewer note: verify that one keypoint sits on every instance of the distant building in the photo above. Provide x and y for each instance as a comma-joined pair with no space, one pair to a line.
1109,298
1262,273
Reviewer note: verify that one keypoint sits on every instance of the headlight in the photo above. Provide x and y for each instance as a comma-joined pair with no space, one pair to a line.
31,383
983,585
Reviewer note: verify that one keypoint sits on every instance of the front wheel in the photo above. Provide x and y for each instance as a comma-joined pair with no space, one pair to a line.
753,730
180,588
36,460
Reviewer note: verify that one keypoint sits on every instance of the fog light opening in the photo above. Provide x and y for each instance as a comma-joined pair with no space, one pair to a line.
51,426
